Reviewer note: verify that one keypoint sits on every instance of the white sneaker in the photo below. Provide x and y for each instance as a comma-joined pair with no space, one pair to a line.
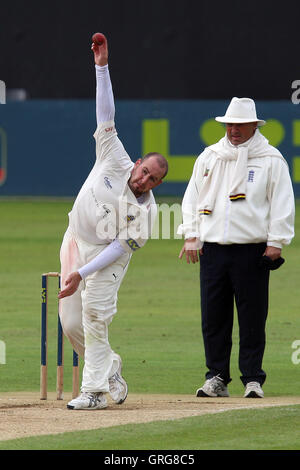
88,401
118,388
253,390
213,387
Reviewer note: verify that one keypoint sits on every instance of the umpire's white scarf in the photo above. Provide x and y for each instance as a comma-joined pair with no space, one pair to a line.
256,146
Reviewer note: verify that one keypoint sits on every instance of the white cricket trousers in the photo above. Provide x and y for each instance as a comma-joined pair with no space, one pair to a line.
86,314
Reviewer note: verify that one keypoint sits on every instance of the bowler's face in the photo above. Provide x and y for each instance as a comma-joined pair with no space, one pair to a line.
145,175
240,133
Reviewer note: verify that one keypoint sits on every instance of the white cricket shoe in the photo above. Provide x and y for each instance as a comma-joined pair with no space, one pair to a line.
118,388
88,401
253,390
213,387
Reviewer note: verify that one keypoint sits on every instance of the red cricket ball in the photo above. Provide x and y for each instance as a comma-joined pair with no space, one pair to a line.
98,38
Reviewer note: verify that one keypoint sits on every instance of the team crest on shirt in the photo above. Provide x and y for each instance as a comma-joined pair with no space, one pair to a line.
206,172
251,176
107,182
132,244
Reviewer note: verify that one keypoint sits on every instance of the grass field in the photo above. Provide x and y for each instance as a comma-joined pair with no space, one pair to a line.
156,330
268,429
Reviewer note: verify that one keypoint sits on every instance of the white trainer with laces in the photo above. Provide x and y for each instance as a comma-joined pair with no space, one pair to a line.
213,387
88,401
253,390
118,388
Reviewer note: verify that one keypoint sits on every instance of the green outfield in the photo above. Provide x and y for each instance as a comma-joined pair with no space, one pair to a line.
156,330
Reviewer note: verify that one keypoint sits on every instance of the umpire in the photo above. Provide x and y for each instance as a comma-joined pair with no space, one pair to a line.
238,212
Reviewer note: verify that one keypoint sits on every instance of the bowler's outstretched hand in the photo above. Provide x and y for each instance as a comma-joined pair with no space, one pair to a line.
100,53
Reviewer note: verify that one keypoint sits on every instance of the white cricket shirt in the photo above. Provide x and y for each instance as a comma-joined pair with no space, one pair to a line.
105,208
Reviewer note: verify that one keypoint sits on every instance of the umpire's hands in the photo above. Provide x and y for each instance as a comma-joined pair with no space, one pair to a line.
272,252
71,285
190,248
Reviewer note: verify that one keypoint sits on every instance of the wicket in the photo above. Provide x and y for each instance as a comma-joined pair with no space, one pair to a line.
60,348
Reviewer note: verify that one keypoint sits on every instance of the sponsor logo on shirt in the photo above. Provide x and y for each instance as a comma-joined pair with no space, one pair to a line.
106,211
130,218
94,197
206,172
251,176
132,244
102,210
107,182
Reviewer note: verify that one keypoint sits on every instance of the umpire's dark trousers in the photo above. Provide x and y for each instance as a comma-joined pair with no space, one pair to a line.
228,273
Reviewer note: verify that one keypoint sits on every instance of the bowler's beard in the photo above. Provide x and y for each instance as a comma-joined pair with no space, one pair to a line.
134,189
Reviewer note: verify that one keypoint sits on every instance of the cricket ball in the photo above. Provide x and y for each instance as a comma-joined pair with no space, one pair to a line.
98,38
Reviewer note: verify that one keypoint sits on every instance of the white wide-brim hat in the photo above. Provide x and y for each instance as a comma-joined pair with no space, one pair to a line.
241,110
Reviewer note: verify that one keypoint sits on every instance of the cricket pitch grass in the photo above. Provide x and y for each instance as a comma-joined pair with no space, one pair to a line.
157,332
23,414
